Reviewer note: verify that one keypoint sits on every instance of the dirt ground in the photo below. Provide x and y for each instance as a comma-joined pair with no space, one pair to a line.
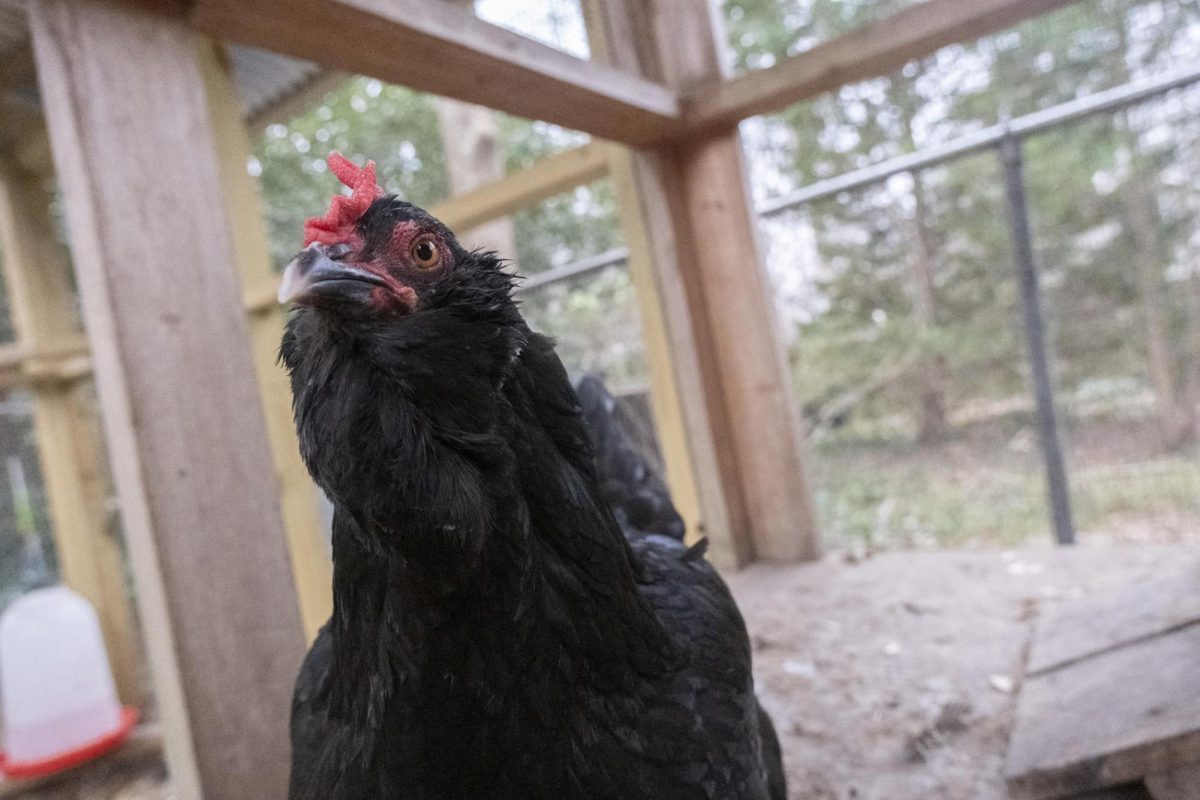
890,677
894,677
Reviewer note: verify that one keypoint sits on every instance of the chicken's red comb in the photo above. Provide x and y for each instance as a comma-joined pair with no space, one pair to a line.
338,223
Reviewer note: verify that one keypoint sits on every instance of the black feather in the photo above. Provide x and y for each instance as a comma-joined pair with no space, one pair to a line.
496,633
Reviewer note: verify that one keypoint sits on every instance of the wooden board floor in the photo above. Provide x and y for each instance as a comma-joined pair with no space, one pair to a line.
1112,693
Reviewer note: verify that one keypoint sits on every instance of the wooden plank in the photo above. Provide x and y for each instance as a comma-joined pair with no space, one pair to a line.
40,299
751,367
474,158
675,358
866,52
437,48
1108,719
551,176
156,269
691,445
312,568
1096,625
724,398
1182,783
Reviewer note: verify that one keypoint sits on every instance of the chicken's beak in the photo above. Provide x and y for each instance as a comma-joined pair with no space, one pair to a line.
313,273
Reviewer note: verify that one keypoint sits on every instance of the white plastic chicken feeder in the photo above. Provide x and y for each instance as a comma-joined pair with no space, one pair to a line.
56,688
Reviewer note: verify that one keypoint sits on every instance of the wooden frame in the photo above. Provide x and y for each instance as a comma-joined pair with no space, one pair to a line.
51,357
220,660
177,385
868,52
309,553
445,50
438,48
707,302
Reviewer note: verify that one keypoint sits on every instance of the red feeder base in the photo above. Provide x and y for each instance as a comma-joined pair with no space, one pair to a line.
72,758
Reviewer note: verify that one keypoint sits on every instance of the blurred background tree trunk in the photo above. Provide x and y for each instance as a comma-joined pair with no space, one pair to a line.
1141,214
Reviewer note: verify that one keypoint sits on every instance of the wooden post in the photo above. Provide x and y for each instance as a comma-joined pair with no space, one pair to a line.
471,141
134,149
311,565
72,458
724,401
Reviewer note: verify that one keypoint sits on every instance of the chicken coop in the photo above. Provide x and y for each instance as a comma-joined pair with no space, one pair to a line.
142,294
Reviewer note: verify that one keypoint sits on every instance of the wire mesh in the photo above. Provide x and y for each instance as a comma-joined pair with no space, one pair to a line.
900,306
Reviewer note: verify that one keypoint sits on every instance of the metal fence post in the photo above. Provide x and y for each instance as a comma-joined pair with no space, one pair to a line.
1035,334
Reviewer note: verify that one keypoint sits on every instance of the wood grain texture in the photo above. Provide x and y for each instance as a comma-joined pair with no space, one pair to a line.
434,47
722,393
1109,719
1147,609
699,468
735,293
470,137
40,299
866,52
312,567
156,269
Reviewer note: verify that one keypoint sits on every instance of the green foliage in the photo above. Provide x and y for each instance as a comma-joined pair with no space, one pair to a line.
1078,179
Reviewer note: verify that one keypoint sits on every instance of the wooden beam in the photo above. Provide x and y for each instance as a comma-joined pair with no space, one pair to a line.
434,47
21,368
1109,719
551,176
866,52
723,405
311,565
687,437
72,458
470,137
156,268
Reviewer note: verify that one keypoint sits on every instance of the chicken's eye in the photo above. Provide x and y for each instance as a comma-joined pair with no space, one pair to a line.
425,253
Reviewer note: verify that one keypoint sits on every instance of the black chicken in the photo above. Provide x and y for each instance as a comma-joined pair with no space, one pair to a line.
495,633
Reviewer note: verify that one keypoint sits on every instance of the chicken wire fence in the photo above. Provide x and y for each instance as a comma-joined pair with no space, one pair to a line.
899,300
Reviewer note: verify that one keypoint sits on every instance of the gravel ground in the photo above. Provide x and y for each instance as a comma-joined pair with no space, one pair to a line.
893,677
889,677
